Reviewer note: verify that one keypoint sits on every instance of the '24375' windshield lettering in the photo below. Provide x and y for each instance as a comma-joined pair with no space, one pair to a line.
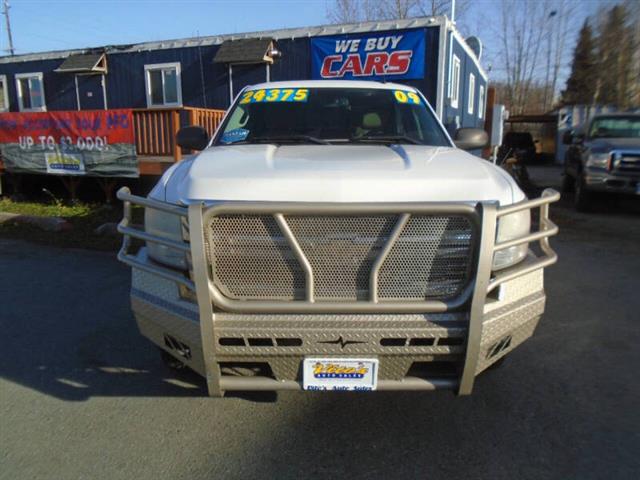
275,95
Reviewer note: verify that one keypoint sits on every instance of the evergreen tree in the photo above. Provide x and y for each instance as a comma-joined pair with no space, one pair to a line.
582,83
615,51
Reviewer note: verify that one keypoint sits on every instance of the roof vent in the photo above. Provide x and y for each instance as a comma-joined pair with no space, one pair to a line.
247,50
88,64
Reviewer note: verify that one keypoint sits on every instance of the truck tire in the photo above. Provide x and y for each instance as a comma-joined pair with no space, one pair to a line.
581,197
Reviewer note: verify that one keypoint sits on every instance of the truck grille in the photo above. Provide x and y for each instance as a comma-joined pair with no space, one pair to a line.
626,161
251,259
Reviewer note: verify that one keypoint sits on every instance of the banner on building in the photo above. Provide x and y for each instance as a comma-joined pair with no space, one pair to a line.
366,56
92,143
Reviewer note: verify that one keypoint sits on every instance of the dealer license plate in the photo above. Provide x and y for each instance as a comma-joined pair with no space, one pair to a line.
340,374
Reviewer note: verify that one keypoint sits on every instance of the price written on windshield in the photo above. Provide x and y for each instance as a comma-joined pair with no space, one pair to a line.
406,97
275,95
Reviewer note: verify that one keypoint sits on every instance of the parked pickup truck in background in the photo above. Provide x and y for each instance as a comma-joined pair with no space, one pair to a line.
603,158
331,236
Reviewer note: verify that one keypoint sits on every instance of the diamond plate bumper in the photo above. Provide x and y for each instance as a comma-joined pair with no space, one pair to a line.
398,340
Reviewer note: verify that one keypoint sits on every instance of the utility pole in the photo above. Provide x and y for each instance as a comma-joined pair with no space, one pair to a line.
5,4
548,71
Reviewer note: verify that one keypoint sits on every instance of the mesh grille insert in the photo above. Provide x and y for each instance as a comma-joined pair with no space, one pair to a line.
251,258
430,260
341,251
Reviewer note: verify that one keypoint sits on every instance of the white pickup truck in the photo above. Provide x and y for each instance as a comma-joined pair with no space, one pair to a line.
332,236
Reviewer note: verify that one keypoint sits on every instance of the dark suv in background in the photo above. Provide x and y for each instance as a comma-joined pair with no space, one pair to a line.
603,158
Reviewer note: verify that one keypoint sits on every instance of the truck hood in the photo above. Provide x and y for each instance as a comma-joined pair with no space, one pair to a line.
338,173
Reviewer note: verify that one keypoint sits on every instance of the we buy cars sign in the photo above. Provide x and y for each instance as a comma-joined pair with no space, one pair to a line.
393,55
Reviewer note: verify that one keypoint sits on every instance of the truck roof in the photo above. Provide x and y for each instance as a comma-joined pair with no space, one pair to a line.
333,84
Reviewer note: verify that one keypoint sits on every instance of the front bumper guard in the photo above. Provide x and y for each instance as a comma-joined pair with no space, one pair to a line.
484,217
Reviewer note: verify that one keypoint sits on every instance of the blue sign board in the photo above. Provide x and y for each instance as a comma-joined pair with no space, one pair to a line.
391,55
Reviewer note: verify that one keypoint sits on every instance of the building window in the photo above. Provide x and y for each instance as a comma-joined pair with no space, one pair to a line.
472,93
455,82
30,92
4,94
163,85
481,105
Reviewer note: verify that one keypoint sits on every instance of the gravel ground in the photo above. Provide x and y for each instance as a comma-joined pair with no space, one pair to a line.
83,395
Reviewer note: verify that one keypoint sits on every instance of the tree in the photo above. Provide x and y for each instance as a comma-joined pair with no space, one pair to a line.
616,54
533,103
442,7
633,8
606,64
353,11
581,84
344,11
521,33
350,11
392,9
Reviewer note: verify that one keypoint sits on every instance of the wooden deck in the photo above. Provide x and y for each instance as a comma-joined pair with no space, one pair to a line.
154,165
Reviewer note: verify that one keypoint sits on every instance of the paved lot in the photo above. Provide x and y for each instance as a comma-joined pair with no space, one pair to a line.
82,395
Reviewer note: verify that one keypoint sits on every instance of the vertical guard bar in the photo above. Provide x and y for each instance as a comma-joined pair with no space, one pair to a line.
125,222
205,305
488,214
391,241
309,288
544,222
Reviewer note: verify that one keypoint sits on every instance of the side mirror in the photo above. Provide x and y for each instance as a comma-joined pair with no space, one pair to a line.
578,138
567,137
471,138
192,138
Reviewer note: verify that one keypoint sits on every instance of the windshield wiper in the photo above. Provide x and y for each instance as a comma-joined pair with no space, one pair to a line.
386,138
298,138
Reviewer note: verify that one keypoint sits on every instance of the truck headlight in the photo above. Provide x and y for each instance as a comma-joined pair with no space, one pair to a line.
168,226
512,226
598,160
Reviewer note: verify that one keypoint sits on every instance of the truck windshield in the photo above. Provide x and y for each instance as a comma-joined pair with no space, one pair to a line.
615,127
331,116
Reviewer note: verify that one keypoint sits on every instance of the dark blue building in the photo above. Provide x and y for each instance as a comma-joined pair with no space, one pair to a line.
208,72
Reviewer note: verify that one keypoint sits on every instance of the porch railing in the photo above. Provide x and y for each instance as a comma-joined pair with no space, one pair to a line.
156,129
155,132
205,117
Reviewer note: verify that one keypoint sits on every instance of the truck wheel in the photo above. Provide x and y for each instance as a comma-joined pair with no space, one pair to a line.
568,183
582,197
170,361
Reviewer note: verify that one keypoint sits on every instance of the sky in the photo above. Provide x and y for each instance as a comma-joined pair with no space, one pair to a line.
43,25
40,25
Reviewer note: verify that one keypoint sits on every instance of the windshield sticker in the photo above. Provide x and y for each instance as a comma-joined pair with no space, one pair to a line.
275,95
406,97
235,135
